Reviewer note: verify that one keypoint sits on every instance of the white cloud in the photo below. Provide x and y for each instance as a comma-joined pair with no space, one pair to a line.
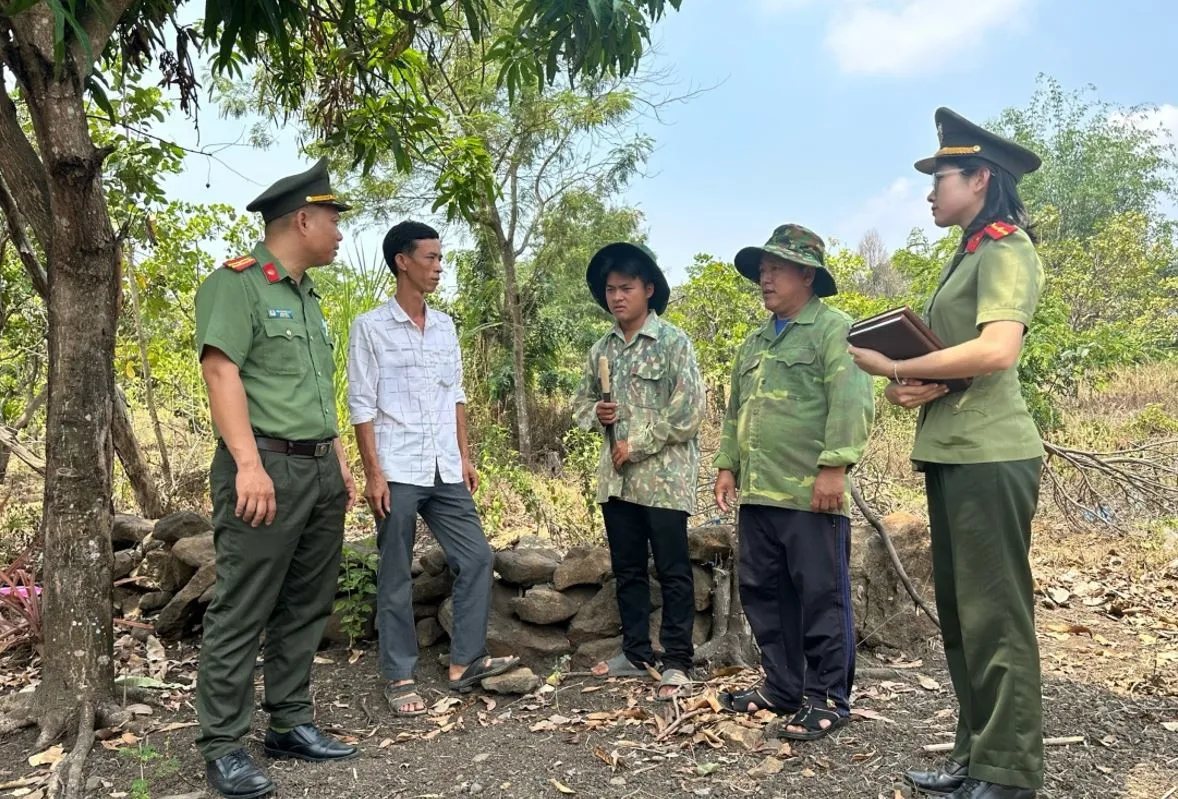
1162,119
900,37
894,212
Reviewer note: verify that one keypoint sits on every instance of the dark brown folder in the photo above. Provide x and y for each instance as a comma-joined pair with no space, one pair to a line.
900,334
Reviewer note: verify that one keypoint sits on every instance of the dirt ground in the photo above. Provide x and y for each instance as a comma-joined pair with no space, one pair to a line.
591,739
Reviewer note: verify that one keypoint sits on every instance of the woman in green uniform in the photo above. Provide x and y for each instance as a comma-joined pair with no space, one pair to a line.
981,455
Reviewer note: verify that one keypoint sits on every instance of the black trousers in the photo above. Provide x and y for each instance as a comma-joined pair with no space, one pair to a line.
796,590
631,529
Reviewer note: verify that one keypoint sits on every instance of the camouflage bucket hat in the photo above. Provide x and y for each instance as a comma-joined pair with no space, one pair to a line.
795,244
610,254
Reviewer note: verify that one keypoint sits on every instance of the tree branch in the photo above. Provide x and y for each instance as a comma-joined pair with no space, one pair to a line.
16,226
33,461
22,168
99,25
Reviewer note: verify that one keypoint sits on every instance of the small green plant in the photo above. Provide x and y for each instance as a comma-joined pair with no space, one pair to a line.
582,451
356,591
145,754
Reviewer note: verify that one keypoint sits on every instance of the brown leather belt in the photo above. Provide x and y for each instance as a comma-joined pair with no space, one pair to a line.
306,449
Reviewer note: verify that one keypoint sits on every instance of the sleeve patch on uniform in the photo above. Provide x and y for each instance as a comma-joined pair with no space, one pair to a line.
994,230
241,263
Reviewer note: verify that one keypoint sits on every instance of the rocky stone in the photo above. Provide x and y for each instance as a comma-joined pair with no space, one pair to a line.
184,524
542,605
155,572
597,618
591,653
186,607
582,566
709,544
528,566
207,596
507,635
125,561
432,587
429,632
425,611
516,681
702,579
154,600
701,628
124,602
128,530
884,613
196,551
433,561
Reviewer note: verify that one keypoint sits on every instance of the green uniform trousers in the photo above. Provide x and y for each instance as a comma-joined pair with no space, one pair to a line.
280,579
980,518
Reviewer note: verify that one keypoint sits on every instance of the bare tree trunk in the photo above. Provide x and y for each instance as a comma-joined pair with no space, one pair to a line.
513,309
732,641
82,256
135,466
515,326
26,416
165,466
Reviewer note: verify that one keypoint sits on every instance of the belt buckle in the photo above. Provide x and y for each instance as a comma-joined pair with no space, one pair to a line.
322,448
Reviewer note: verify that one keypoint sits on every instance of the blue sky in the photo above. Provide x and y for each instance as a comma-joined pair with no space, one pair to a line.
818,111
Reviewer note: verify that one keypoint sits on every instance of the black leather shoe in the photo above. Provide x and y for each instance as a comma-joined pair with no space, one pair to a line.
306,742
236,777
947,779
976,789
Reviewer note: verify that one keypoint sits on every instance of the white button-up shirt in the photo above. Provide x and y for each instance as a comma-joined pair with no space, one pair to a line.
407,382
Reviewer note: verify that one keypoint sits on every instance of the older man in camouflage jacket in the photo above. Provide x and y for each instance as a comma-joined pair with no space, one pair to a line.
798,418
646,480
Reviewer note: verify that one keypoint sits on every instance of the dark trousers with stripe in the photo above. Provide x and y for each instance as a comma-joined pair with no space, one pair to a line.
795,588
980,519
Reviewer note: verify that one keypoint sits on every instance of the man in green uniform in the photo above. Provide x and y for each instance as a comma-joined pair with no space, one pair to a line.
280,484
798,418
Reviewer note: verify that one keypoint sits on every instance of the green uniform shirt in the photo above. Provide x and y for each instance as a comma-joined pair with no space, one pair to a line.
1000,281
661,402
797,403
274,330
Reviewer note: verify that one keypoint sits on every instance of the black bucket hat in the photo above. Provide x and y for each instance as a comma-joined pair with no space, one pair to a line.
605,258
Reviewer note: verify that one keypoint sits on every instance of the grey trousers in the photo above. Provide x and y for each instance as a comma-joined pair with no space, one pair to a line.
449,510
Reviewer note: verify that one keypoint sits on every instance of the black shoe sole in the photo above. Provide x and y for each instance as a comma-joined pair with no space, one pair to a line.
930,791
282,754
269,789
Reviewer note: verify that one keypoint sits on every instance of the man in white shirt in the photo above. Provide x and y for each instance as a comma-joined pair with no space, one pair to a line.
409,411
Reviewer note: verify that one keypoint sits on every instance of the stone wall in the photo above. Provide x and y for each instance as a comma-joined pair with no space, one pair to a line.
545,604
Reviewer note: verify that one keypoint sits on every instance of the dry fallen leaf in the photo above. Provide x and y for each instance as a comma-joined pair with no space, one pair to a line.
48,757
1170,726
354,658
560,786
808,772
588,689
928,683
866,713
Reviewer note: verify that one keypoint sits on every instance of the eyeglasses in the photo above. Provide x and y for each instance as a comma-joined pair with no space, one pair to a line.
944,173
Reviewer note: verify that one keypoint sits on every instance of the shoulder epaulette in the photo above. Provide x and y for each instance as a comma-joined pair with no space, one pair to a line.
241,263
994,230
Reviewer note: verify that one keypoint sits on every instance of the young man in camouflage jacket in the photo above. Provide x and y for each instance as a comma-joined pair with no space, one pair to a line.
646,481
798,418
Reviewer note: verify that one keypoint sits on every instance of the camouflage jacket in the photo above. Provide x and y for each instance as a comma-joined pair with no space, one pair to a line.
660,396
797,403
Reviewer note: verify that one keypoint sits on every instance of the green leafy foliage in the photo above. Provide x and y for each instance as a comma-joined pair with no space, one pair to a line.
356,590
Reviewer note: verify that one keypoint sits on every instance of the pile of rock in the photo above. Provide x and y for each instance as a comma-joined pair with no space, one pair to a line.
166,567
544,604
